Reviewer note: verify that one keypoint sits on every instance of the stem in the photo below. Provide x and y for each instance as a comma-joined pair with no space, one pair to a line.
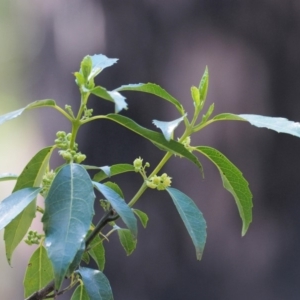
58,108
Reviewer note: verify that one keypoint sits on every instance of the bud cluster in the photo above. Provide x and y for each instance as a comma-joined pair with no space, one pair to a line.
33,238
46,182
159,182
138,166
187,144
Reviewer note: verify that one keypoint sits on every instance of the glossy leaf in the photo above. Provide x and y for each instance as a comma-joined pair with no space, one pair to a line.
192,219
234,182
31,176
168,128
39,272
114,170
112,96
280,125
142,216
8,176
153,89
97,252
157,138
96,284
14,204
16,113
127,241
119,205
80,293
100,62
67,218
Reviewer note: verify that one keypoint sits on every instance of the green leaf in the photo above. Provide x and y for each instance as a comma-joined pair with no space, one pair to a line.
114,170
97,252
234,182
142,216
100,62
127,240
203,85
96,284
119,205
115,187
39,272
8,176
168,128
80,293
153,89
192,219
206,116
280,125
31,176
195,96
14,204
86,66
112,96
16,113
85,257
105,169
69,209
157,138
227,117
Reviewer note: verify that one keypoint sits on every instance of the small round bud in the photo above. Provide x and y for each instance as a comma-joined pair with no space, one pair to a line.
138,164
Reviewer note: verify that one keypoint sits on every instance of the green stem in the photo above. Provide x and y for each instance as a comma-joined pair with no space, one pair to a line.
58,108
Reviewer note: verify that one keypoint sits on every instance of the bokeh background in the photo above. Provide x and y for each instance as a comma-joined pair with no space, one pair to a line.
252,49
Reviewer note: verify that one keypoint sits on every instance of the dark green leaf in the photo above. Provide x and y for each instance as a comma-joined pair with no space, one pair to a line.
234,182
168,128
14,204
68,216
97,252
39,272
16,113
142,216
8,176
100,62
157,138
192,219
127,240
114,170
119,205
96,284
80,293
31,176
153,89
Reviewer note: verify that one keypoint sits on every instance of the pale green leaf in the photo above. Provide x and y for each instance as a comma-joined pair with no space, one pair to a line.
203,85
227,117
142,216
127,241
114,170
16,113
80,293
39,272
14,204
168,128
8,176
31,176
192,219
96,284
119,205
69,209
234,182
153,89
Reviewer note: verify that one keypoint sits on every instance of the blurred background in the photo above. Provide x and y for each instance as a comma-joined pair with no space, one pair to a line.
252,51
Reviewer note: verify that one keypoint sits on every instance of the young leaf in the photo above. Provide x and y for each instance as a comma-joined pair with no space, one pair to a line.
119,205
97,252
16,113
8,176
127,240
142,216
227,117
203,85
86,66
80,293
39,272
153,89
280,125
155,137
192,219
114,170
234,182
31,176
168,128
112,96
69,208
100,62
14,204
96,284
206,116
